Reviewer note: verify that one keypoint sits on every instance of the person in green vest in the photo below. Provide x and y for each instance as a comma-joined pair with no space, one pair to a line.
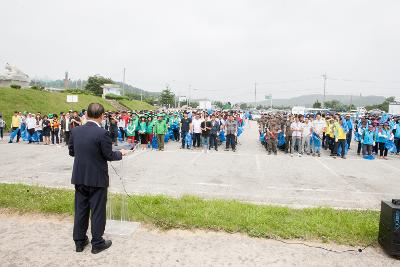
149,130
130,133
135,119
160,129
142,132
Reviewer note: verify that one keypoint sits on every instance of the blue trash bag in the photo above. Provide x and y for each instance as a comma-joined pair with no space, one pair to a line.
222,136
24,132
357,137
154,143
119,136
35,137
188,140
171,135
316,140
262,138
369,157
13,134
281,139
390,146
239,131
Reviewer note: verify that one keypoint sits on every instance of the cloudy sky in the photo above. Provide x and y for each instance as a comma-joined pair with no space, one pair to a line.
220,48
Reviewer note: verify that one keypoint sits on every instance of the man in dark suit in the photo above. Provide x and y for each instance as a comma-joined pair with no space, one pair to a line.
91,146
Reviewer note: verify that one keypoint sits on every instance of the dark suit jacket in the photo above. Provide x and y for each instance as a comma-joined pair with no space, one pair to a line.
92,148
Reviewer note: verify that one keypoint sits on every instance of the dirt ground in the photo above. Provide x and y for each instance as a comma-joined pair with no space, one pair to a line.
41,240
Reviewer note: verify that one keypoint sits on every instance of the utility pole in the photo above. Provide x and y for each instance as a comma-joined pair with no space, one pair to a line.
123,84
324,76
255,95
190,92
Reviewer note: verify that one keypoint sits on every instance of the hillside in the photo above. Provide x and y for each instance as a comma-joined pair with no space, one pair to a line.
308,100
136,105
34,101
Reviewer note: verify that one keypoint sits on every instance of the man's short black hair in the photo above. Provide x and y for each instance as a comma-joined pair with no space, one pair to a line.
95,110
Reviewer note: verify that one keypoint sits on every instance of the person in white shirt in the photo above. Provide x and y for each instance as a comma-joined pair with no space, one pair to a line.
297,131
30,126
196,124
306,136
318,127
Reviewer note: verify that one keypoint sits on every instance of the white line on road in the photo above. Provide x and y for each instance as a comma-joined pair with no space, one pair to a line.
213,184
327,167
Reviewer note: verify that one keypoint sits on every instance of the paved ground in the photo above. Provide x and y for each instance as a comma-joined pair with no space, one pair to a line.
34,240
248,175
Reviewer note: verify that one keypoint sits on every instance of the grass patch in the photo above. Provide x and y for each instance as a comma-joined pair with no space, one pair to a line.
323,224
136,104
46,102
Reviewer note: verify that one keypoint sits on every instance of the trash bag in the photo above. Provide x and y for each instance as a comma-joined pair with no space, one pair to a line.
13,134
188,140
24,132
262,138
222,136
119,136
316,140
369,157
390,146
239,131
154,143
281,139
171,135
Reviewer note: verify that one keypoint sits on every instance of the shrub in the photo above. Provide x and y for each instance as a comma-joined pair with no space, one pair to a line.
15,86
35,87
116,97
78,92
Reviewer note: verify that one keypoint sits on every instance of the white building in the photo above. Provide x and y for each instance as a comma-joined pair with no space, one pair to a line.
111,89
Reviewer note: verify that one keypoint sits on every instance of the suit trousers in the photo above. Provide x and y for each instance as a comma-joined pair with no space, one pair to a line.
89,201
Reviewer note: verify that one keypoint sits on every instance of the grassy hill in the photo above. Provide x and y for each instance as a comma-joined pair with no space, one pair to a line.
45,102
136,105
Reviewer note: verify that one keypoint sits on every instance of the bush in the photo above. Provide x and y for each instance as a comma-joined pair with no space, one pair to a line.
15,86
78,92
116,97
35,87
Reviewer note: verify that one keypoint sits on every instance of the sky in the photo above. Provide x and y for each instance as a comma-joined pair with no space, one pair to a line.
221,49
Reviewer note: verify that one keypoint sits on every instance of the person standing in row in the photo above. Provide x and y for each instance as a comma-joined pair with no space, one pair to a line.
2,126
215,128
231,127
196,123
205,133
91,147
186,127
160,129
46,126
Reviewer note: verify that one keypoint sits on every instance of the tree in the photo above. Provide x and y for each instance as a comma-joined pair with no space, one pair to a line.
383,106
243,106
167,97
218,104
317,104
94,84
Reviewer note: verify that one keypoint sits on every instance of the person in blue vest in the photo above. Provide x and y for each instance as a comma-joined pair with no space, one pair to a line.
360,128
349,134
383,135
396,132
368,140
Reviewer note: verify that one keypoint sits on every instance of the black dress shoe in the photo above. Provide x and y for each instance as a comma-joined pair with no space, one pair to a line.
81,248
102,247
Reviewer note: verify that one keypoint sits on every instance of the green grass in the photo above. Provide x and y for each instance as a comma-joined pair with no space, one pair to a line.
41,101
188,212
136,105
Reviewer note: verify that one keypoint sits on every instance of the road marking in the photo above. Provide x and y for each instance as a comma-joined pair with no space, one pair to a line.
193,161
213,184
327,167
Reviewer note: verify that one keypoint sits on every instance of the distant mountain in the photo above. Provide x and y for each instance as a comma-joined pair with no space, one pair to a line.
308,100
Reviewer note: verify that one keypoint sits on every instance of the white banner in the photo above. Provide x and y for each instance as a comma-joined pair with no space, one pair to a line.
72,98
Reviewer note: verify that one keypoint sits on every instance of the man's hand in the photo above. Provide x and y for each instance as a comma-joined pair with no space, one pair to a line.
124,152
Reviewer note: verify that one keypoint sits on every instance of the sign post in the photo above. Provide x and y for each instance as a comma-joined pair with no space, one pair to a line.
72,99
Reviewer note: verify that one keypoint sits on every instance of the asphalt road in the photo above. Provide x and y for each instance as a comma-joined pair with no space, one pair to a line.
247,175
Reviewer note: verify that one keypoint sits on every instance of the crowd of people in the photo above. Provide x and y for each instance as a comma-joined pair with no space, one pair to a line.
309,134
194,129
